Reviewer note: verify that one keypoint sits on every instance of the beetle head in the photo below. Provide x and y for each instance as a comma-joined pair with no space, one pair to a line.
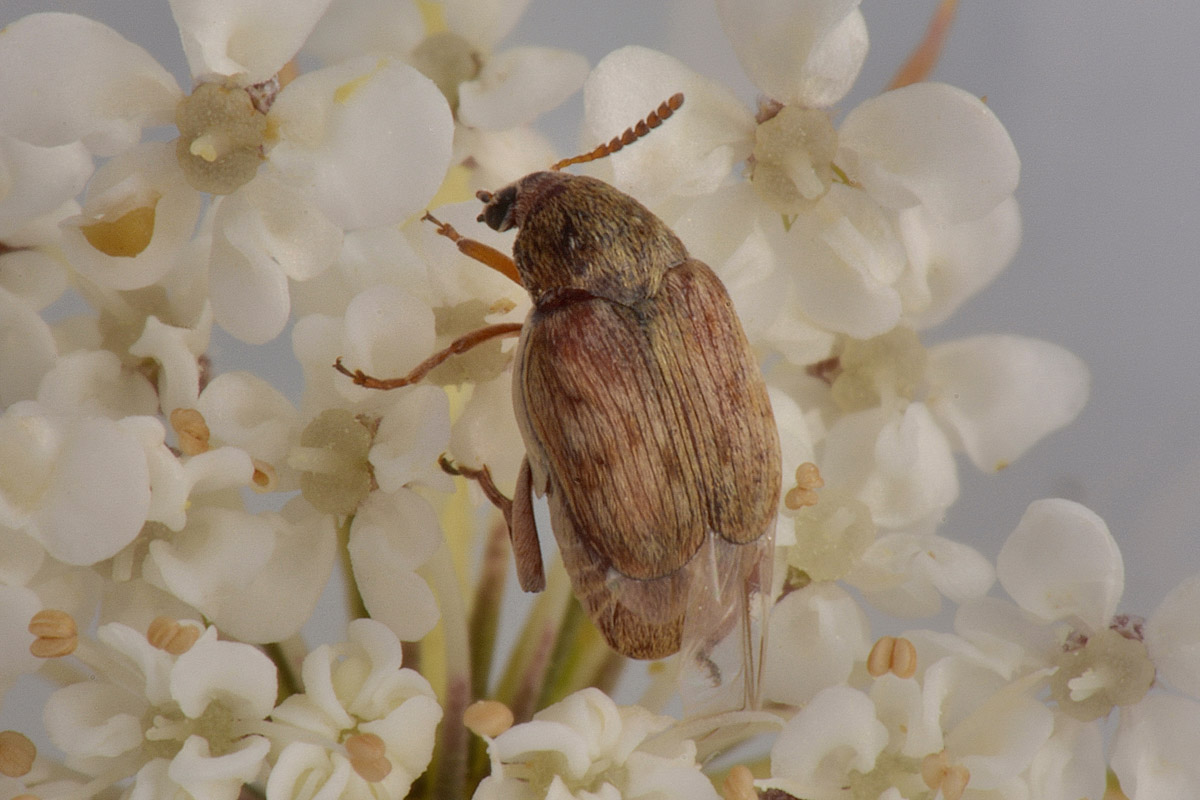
498,209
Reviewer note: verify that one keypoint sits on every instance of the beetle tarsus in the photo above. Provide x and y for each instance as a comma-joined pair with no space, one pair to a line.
482,476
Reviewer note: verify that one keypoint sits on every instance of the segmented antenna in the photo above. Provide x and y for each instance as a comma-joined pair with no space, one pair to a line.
631,135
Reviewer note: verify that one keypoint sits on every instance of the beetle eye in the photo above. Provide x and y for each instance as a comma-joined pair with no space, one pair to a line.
498,208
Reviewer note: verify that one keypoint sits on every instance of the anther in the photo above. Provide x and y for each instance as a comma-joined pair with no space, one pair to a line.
897,656
368,756
56,632
488,718
16,754
169,635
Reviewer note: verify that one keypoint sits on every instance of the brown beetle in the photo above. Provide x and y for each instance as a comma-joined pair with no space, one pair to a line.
645,418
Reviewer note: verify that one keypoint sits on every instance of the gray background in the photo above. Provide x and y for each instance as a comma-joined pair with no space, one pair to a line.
1101,101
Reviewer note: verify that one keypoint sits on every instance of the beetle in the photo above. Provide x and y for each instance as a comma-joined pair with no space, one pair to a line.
645,419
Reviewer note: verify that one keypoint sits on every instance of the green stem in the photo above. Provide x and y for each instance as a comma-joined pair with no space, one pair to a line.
581,658
520,685
485,608
449,766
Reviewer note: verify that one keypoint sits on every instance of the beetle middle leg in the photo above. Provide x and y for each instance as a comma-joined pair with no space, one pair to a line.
459,345
518,515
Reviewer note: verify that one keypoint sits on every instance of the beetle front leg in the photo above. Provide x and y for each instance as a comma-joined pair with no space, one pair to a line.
483,253
518,515
459,345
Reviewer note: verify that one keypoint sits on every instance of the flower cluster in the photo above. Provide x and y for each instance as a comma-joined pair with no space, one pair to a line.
167,525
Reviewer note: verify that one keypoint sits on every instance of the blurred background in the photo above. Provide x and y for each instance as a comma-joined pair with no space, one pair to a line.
1101,101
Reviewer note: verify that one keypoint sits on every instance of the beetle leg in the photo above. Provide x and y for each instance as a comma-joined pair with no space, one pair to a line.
459,345
523,530
518,515
484,254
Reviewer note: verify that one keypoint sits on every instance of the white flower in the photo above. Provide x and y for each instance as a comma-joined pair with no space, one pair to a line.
1065,572
172,722
363,728
494,94
586,747
360,143
956,723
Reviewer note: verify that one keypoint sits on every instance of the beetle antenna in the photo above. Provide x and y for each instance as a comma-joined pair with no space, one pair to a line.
631,135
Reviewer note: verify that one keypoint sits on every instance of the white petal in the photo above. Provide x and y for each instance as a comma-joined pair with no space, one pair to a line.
797,53
250,298
269,221
367,141
350,28
283,595
37,180
950,263
387,333
243,409
177,351
835,733
308,771
409,732
1011,637
931,144
1001,394
1173,637
206,777
90,719
906,574
250,40
487,432
817,635
98,496
519,84
146,662
221,552
502,157
95,383
391,536
999,739
1154,753
144,177
413,431
693,152
67,77
1062,562
483,22
959,571
845,259
36,277
27,349
1071,764
900,465
236,675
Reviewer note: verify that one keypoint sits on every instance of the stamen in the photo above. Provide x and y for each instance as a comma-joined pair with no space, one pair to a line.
168,634
897,656
56,632
367,753
488,718
192,430
739,784
17,753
